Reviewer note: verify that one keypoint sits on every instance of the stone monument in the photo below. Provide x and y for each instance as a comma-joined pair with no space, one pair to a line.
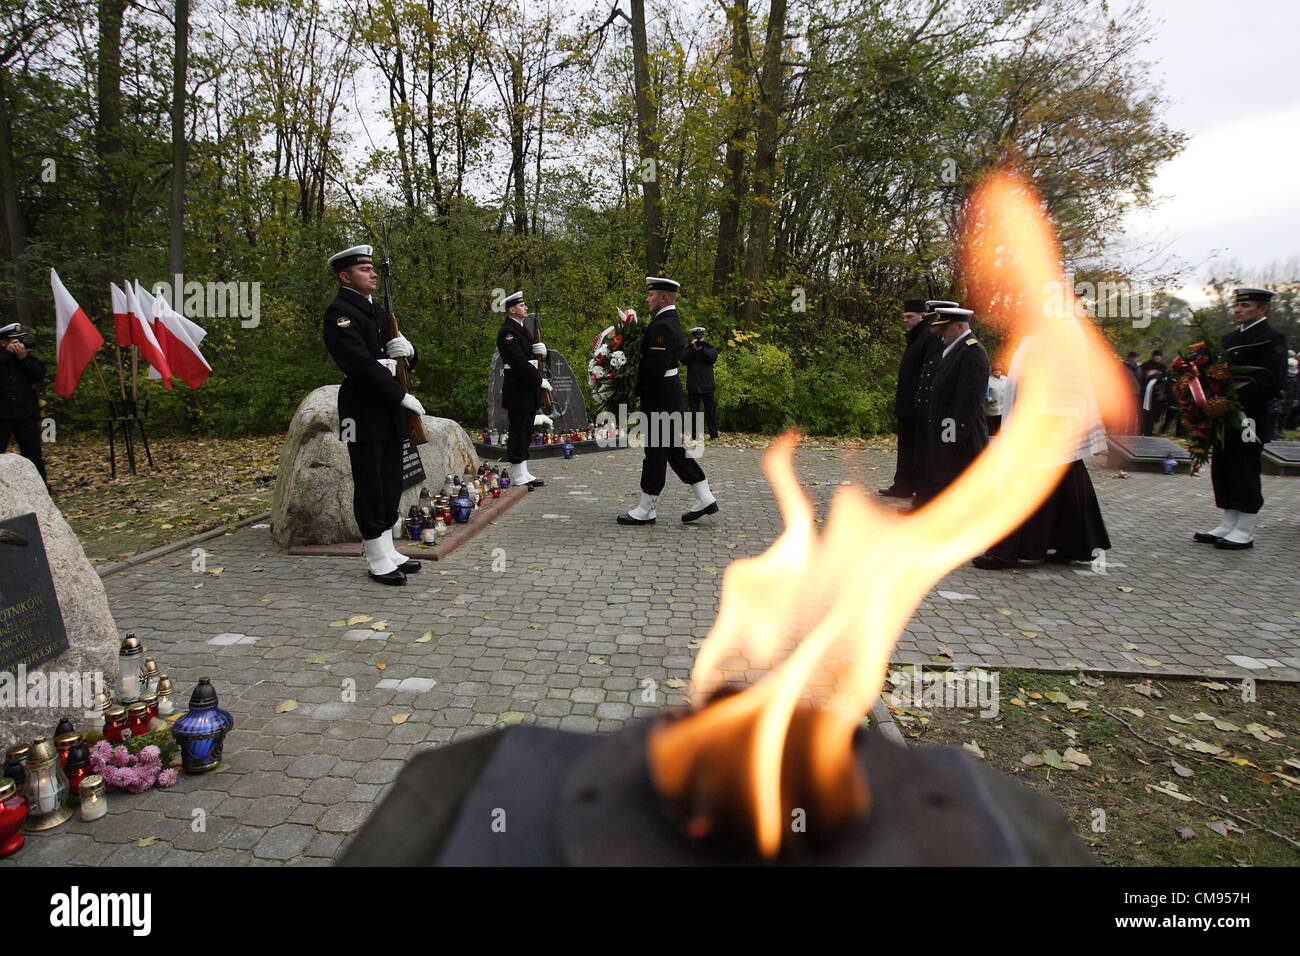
312,503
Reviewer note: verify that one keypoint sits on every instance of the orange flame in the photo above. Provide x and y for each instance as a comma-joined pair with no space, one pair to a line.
809,625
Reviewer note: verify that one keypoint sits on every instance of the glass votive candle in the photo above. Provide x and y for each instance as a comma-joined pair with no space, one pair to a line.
94,800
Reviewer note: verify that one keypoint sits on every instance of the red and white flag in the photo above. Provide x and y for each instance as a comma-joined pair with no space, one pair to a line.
75,339
133,329
179,338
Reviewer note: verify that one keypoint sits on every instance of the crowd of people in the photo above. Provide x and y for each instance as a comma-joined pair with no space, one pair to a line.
950,403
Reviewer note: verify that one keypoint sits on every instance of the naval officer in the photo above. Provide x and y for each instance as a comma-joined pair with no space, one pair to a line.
372,408
521,387
660,392
1234,465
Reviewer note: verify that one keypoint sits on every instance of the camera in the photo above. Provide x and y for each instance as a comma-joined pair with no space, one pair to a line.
13,331
697,334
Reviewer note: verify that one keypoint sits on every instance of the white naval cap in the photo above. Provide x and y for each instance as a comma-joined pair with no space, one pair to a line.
945,314
932,304
351,257
660,284
510,300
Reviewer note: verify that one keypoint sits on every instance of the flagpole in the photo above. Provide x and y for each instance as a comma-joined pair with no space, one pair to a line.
102,384
121,374
135,358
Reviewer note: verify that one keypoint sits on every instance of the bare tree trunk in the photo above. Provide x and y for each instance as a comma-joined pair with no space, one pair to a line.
648,146
518,160
771,98
178,139
108,136
14,228
724,262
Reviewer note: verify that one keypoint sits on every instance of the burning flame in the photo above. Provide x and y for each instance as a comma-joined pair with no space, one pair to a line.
810,624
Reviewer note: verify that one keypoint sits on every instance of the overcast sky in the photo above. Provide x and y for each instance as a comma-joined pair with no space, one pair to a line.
1231,69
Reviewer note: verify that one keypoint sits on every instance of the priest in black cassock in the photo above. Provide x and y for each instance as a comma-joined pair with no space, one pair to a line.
1234,466
921,345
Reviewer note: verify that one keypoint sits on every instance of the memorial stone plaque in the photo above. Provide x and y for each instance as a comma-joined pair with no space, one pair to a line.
31,624
412,466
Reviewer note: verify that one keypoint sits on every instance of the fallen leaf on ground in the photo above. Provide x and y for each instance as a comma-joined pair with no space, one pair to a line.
379,626
1170,789
973,748
399,718
674,682
1181,770
358,619
1032,760
424,638
285,706
1077,756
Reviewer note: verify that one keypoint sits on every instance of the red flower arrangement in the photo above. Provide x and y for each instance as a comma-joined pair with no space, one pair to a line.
1205,387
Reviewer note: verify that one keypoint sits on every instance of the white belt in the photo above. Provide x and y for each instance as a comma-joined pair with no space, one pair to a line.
671,371
390,364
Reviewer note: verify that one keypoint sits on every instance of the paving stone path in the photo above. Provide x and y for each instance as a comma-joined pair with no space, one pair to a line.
557,616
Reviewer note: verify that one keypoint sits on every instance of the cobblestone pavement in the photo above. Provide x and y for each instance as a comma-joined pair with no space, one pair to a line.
583,612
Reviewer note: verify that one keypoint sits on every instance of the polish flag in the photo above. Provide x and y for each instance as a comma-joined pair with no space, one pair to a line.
75,339
133,329
180,339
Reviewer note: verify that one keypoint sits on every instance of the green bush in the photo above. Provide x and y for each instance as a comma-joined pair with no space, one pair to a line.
831,402
755,389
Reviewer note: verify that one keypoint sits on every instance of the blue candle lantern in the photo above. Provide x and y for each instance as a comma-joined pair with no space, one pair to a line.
202,730
1168,465
462,505
568,449
414,522
505,479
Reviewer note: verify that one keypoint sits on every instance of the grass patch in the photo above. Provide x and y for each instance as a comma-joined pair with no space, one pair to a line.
195,485
1175,788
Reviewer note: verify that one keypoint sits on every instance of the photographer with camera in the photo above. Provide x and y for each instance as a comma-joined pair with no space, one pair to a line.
21,374
699,357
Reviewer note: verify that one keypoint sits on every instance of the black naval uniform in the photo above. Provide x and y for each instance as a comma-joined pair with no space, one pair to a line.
20,410
922,345
956,391
370,398
660,391
700,384
1234,467
519,388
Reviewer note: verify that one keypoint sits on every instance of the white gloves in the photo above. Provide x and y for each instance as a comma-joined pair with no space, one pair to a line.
411,402
546,384
399,347
539,348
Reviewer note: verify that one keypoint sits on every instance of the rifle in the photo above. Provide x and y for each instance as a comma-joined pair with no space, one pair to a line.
414,425
543,396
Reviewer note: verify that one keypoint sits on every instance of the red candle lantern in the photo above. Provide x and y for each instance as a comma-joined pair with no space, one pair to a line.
13,811
115,725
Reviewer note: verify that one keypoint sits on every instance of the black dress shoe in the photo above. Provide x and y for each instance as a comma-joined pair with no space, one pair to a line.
988,562
626,518
1223,544
409,567
710,509
893,491
536,483
392,577
1206,538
